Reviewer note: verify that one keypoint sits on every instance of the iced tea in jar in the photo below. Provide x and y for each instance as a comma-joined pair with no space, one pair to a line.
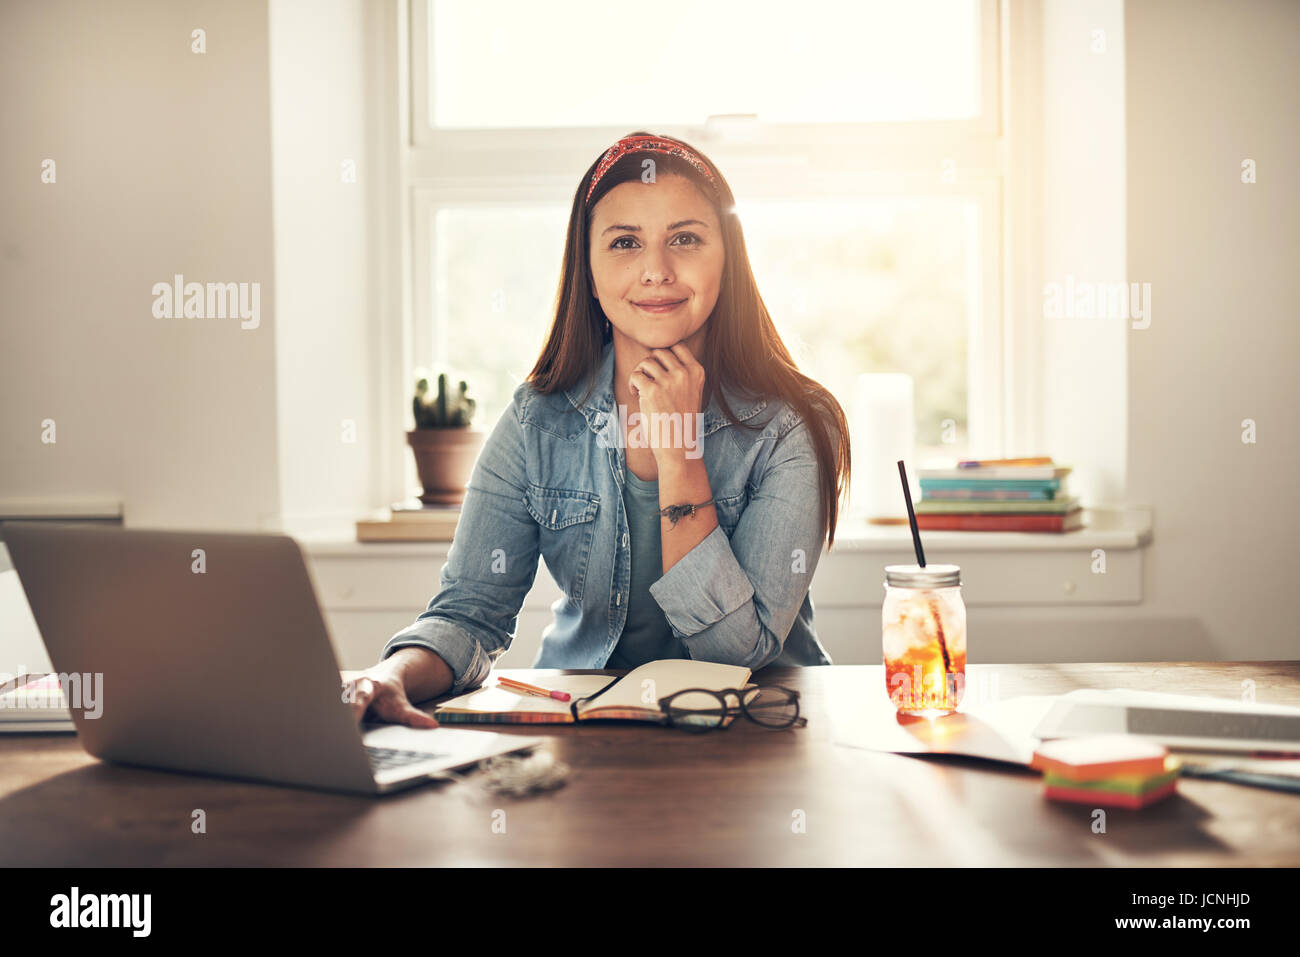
923,623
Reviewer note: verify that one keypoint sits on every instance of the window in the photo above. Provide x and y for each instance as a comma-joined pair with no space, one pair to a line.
494,66
495,268
862,143
878,284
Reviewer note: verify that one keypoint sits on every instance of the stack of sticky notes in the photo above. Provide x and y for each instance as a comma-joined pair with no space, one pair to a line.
1119,770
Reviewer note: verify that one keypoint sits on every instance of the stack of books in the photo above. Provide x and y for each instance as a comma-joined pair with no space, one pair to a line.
1118,770
998,495
410,521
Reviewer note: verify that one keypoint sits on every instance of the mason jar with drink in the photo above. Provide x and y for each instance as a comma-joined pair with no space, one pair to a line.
923,633
923,630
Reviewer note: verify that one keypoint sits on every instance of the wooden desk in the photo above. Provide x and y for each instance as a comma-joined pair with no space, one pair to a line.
640,795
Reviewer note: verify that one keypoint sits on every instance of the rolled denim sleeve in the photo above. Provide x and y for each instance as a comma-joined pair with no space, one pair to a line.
735,600
490,565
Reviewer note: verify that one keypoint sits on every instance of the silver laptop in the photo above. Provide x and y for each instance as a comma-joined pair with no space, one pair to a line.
206,652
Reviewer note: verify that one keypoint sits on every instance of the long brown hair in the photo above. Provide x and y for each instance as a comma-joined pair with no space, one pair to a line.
742,348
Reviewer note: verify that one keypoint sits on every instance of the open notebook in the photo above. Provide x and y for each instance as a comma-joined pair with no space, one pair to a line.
633,697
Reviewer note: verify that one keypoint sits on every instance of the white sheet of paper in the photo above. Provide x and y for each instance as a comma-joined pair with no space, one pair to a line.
998,730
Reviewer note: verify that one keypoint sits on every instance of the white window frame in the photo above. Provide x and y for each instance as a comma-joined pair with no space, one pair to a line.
468,167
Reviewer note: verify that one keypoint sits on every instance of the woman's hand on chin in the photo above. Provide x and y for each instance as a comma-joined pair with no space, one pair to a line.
668,384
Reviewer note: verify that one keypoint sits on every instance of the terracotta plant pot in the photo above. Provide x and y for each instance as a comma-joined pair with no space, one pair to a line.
445,460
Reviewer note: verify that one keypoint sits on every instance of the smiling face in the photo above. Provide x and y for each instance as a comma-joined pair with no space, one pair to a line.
652,242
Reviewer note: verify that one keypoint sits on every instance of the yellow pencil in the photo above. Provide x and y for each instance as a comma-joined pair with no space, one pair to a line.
513,685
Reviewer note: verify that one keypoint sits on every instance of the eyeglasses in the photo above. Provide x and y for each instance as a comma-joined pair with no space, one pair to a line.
699,709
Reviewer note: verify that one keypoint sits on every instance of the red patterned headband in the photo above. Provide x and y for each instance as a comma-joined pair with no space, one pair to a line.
654,144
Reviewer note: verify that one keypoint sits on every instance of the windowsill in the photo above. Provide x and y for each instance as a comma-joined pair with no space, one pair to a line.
999,569
1106,528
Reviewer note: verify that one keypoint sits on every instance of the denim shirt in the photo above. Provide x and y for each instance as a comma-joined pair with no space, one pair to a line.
549,481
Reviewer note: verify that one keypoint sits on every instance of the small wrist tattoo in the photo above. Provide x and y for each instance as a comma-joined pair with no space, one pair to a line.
674,512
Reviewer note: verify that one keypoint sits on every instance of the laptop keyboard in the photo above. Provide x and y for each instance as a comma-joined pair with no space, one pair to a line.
385,759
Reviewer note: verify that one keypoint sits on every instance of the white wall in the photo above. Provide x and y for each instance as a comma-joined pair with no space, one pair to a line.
163,166
326,341
1205,85
1209,85
178,418
1081,209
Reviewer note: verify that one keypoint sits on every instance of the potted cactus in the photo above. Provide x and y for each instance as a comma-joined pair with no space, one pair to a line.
445,446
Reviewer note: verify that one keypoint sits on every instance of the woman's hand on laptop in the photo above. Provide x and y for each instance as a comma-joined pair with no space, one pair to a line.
381,693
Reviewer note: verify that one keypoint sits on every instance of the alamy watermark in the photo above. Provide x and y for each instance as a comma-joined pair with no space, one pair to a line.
76,691
179,299
1098,300
128,911
653,430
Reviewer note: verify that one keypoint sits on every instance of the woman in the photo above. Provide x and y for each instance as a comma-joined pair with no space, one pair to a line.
666,458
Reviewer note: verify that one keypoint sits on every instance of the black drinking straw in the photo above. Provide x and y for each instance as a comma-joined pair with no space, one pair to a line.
920,560
911,515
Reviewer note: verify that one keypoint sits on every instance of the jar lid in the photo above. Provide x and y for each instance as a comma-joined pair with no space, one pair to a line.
931,576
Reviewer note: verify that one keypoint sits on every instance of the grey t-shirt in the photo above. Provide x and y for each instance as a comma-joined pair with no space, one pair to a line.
646,635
